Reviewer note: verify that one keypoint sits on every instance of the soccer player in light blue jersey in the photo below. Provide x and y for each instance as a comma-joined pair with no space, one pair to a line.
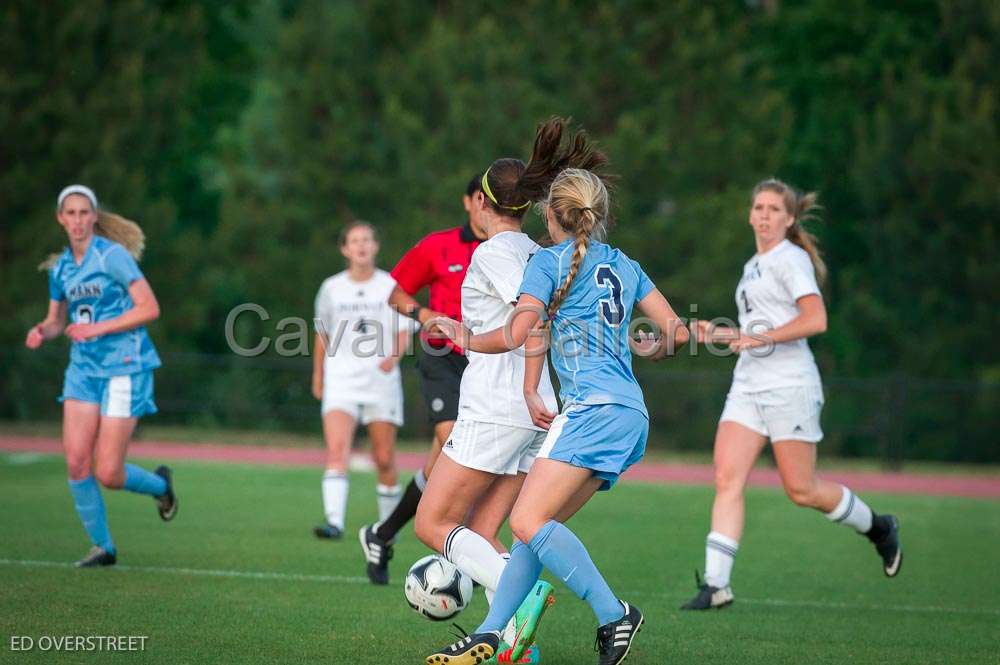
588,291
108,386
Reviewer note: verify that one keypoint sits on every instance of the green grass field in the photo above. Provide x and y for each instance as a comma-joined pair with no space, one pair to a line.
238,577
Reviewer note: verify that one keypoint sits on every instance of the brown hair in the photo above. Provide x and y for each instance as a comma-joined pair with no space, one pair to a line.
562,176
115,228
802,207
350,226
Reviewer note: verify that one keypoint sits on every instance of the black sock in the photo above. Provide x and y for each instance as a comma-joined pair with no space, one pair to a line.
403,513
880,527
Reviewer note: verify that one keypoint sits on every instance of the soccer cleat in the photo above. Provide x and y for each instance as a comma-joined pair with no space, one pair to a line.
377,554
528,615
166,504
328,531
614,640
96,557
470,650
532,656
708,596
887,544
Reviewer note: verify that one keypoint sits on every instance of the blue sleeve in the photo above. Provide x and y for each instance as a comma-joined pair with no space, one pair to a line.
540,276
644,285
121,266
55,285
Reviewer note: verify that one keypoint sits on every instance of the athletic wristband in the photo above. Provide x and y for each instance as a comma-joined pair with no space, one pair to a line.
415,313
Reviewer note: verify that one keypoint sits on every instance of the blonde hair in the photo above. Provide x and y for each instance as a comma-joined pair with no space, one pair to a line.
115,228
579,201
801,207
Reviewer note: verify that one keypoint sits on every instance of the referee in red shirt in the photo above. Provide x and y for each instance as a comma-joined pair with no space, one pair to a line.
439,262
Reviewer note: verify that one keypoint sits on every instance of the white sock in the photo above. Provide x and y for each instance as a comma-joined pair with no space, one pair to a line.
334,497
474,556
853,512
720,552
388,496
489,593
420,479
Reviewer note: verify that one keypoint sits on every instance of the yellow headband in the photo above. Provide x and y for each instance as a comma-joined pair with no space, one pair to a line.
486,190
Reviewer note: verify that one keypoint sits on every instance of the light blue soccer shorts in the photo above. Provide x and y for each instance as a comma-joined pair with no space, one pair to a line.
123,396
605,438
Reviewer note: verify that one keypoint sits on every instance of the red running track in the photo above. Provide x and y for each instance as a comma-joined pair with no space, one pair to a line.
652,472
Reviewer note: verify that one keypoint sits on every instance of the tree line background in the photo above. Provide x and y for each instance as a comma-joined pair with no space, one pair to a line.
242,135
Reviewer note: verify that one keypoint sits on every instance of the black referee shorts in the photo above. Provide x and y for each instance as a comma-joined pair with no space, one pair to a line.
440,381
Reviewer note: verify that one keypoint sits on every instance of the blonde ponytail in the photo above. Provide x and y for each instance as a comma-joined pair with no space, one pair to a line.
114,227
803,207
123,231
582,229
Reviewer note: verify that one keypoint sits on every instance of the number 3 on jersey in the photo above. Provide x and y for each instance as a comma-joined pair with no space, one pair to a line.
611,308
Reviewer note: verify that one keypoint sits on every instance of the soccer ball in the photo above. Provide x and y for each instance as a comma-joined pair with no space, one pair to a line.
435,588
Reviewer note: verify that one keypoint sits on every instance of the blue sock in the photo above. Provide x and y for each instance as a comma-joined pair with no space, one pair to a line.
516,581
561,552
139,480
90,508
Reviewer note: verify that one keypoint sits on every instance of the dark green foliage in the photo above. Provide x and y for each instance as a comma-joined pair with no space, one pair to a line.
243,137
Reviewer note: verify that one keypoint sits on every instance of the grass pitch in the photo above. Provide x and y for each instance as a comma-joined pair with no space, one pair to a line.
238,577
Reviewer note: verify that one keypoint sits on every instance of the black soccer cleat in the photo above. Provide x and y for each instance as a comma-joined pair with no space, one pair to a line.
614,640
328,532
470,650
377,554
708,596
97,557
166,504
885,535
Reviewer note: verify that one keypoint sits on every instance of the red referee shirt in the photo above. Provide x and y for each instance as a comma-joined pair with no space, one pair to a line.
439,261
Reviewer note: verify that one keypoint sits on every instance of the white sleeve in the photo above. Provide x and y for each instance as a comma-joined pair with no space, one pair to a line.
799,276
323,309
504,270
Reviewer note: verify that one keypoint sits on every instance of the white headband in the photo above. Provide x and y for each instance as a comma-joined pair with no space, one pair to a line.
77,189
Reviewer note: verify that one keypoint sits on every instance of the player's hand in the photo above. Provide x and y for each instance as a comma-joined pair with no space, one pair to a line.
452,329
646,344
81,332
540,415
317,386
744,342
387,364
703,331
34,338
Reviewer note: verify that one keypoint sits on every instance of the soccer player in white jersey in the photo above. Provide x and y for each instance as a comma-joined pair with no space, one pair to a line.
494,442
359,340
588,290
776,392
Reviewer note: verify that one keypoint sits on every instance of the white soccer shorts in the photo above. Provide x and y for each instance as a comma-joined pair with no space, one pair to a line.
497,449
782,414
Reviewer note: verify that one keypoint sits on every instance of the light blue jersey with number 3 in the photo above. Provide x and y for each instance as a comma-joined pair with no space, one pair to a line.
95,290
590,349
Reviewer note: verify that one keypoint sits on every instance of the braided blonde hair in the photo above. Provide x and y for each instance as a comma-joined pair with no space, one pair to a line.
579,201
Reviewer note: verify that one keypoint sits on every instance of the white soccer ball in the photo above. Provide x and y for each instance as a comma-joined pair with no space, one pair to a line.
436,589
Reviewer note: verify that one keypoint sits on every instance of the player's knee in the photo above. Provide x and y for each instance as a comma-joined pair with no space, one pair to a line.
424,526
802,494
110,477
727,482
524,525
78,468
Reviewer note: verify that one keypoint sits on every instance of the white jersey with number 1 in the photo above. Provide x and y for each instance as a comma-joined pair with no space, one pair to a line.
767,298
